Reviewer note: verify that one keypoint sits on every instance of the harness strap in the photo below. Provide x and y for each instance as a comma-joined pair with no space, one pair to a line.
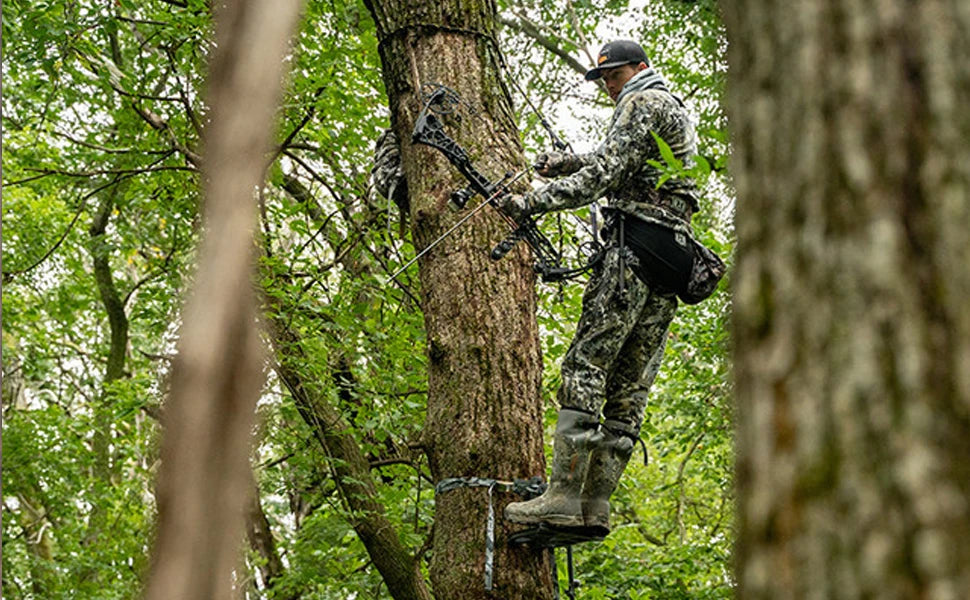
622,260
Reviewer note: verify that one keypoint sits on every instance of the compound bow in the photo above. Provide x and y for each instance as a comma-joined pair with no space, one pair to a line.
429,130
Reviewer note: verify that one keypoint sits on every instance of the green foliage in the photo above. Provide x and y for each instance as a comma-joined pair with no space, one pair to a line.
102,106
49,466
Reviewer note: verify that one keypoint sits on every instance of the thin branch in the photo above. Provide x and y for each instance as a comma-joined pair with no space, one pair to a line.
183,95
277,461
682,498
386,462
303,146
46,172
313,174
313,237
128,94
632,516
306,119
165,357
157,272
161,125
106,149
337,259
574,20
140,21
531,30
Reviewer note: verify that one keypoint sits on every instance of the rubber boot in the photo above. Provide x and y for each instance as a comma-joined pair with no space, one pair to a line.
608,457
561,504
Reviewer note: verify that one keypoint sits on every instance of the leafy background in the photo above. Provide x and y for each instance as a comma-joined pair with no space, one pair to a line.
102,112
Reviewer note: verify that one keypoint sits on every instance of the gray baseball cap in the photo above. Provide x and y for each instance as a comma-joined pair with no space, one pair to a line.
616,54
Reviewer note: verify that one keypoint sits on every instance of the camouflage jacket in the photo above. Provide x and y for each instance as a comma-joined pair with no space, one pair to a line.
618,168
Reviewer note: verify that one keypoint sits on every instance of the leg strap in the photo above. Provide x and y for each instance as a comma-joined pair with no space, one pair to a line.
622,428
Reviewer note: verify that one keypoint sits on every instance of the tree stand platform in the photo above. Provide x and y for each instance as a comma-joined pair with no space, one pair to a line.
544,535
552,537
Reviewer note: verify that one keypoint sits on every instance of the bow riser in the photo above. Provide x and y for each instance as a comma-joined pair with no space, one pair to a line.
429,130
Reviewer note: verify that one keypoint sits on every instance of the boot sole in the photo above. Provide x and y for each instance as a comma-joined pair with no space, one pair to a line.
558,520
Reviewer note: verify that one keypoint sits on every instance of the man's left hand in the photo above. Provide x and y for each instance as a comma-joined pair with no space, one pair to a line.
516,206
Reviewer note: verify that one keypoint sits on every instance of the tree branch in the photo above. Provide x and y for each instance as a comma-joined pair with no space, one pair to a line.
157,272
319,178
261,540
183,95
161,125
632,516
107,150
574,21
351,471
528,28
47,172
682,498
306,119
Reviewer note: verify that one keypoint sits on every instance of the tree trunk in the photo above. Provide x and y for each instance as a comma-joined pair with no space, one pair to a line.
102,437
484,369
204,479
852,333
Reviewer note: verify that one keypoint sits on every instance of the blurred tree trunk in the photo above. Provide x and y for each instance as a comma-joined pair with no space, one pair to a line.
852,328
484,369
204,481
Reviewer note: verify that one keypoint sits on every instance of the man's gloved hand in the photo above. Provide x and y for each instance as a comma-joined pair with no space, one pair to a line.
553,164
516,206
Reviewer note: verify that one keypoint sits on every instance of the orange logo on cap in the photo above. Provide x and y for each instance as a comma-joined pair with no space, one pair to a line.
602,59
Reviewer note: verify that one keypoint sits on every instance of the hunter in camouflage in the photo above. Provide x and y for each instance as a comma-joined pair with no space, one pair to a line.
620,339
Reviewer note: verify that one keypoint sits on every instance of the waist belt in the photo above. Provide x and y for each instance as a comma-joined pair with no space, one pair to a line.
679,206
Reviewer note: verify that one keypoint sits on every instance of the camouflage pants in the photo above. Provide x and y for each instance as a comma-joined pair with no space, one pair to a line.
619,344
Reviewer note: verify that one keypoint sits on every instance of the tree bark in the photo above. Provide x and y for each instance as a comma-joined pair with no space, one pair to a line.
484,406
204,478
852,333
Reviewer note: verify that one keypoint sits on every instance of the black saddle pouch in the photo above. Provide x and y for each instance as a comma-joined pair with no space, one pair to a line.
664,257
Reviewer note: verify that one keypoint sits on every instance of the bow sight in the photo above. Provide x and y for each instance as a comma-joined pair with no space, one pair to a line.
429,130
